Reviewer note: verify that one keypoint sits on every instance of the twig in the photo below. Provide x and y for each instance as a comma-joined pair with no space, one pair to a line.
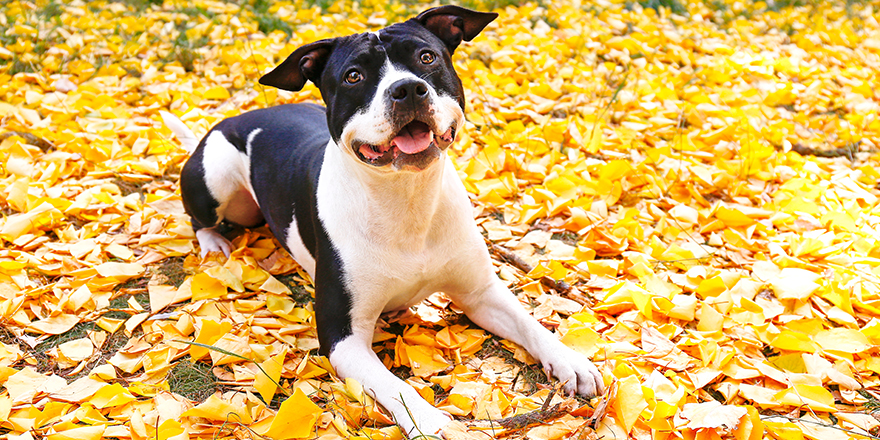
540,416
848,431
517,261
846,151
548,399
29,138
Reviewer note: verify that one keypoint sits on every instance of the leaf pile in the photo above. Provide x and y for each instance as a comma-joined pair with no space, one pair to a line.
690,191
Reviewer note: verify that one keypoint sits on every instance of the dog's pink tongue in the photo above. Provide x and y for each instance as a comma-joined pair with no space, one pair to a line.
414,138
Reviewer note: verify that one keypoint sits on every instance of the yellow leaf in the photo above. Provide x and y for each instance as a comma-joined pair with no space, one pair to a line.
710,319
111,395
160,296
168,429
425,361
216,409
295,418
209,332
843,340
109,324
55,325
582,339
751,427
794,341
23,381
814,396
39,217
205,286
216,92
794,283
83,433
784,430
732,217
630,401
709,415
233,344
711,287
872,330
122,271
272,285
615,170
272,366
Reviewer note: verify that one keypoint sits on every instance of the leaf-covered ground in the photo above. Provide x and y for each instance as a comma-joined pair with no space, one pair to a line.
687,194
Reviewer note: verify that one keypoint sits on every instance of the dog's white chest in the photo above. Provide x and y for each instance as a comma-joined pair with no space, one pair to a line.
396,244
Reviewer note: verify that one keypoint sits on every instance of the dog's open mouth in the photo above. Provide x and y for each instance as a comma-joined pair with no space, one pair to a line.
415,146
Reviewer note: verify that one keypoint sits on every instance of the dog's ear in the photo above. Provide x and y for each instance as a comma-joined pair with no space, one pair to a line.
452,24
304,64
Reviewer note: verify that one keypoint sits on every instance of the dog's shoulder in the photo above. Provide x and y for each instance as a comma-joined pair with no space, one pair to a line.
287,125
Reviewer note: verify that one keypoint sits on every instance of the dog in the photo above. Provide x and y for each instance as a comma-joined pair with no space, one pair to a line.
364,197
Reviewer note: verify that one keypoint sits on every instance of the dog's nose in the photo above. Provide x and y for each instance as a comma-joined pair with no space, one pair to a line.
408,90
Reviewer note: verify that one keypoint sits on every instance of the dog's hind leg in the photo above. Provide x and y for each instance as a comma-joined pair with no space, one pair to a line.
215,188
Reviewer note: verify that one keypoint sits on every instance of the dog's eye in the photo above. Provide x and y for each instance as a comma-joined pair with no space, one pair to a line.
353,77
426,57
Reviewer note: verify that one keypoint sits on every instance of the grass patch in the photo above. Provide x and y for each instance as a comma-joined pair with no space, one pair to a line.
530,375
569,238
173,269
77,332
119,308
20,66
674,6
268,22
127,188
140,5
298,293
193,380
873,405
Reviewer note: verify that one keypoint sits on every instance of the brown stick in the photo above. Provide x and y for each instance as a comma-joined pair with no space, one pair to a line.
514,259
29,138
536,417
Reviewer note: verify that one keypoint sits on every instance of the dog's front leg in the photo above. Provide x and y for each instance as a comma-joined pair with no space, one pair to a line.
497,310
353,357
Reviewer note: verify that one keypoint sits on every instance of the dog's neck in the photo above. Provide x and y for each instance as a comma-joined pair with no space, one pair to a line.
403,203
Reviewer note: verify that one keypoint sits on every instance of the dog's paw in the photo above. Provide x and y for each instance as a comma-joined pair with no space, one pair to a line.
575,371
424,421
212,241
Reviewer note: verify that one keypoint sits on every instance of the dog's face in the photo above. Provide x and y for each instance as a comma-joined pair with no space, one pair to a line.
394,102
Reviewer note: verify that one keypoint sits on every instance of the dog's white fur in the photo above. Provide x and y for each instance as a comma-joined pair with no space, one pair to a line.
298,249
401,236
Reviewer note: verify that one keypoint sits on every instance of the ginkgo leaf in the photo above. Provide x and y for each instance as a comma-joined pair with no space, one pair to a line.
267,382
630,401
295,419
712,415
82,433
216,409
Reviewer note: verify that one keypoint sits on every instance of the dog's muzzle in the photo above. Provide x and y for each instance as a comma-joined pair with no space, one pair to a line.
417,141
414,147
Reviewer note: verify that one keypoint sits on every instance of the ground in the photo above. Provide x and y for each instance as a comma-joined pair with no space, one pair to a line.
685,191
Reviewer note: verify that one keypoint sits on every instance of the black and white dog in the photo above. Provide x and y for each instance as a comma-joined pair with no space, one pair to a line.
365,198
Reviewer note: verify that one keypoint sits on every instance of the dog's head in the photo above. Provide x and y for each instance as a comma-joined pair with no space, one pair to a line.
393,98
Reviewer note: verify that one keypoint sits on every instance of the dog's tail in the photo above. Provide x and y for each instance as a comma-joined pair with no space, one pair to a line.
186,136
